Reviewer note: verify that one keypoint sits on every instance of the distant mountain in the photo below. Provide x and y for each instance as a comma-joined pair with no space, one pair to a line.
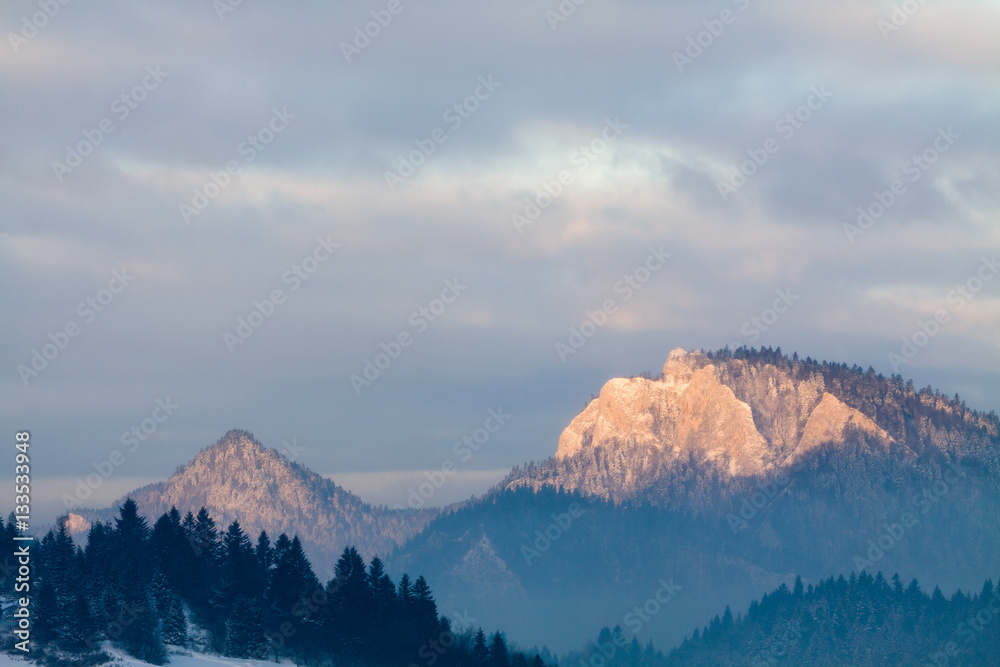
748,416
238,478
720,479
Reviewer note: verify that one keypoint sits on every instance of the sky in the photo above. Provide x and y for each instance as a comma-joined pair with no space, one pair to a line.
357,228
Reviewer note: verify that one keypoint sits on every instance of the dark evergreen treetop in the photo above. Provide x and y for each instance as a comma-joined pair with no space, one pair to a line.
136,587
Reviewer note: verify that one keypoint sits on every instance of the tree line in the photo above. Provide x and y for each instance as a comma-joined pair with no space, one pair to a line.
186,583
864,620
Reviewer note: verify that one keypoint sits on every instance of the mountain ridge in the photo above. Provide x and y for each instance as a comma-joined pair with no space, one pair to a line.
237,478
860,473
667,472
748,414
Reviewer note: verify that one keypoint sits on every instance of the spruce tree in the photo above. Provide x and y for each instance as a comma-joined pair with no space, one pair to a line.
203,542
79,635
480,652
140,635
384,607
348,610
169,610
131,557
161,543
239,570
424,608
264,554
499,655
245,636
174,623
48,617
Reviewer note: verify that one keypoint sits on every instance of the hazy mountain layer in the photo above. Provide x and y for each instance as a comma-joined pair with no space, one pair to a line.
730,473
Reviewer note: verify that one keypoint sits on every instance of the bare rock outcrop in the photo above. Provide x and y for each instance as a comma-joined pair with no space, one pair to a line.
747,419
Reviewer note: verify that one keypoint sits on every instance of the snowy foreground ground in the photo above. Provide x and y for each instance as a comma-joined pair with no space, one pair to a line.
118,659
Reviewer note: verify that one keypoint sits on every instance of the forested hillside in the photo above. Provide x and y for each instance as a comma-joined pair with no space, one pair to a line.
185,583
237,477
863,621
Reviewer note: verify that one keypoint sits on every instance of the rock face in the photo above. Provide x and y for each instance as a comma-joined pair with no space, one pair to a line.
828,421
747,420
239,479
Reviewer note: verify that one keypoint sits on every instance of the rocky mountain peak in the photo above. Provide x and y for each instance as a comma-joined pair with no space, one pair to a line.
681,365
238,478
239,445
747,419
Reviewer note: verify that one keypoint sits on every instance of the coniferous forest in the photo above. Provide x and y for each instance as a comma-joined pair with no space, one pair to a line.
864,621
184,582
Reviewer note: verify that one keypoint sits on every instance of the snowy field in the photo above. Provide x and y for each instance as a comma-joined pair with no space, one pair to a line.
175,660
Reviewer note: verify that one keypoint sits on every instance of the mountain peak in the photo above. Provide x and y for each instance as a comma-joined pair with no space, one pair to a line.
239,478
238,439
741,415
745,416
688,410
232,455
681,365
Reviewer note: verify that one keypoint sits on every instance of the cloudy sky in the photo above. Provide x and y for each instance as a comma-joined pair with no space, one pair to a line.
215,214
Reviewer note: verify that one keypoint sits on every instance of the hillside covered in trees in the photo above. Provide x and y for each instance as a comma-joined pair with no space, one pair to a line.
185,583
864,621
238,478
854,470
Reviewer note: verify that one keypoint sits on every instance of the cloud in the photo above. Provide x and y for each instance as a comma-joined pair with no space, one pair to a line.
657,183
